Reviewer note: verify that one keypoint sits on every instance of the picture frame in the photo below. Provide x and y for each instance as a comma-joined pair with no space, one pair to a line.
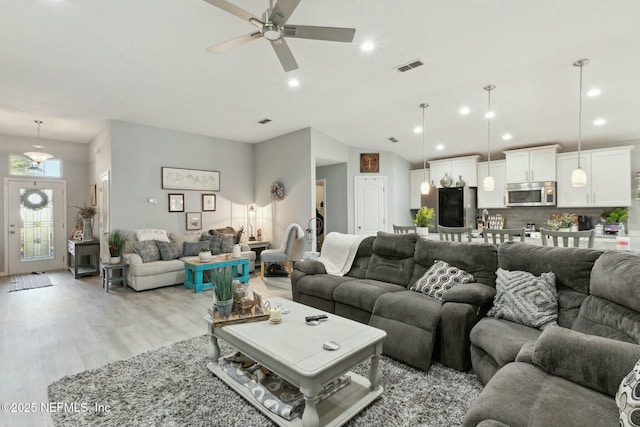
208,202
190,179
176,202
194,220
369,162
77,235
92,195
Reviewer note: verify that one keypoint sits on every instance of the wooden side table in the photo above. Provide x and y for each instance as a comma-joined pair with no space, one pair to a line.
108,276
83,258
258,246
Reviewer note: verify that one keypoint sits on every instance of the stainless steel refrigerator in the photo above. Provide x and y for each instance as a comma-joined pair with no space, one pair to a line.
457,207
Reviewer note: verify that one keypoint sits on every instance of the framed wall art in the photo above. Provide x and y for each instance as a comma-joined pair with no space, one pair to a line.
190,179
370,162
176,202
194,220
92,195
208,202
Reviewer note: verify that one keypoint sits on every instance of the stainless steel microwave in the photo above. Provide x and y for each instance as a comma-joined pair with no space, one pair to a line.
531,194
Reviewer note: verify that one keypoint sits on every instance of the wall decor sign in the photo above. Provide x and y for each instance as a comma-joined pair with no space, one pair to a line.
194,220
208,202
176,202
370,162
190,179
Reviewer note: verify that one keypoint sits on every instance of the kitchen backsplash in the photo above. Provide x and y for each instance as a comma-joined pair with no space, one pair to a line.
520,216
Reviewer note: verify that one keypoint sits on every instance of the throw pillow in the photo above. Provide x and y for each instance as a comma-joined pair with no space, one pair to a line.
226,246
440,278
215,243
148,250
152,234
193,249
169,251
526,299
628,398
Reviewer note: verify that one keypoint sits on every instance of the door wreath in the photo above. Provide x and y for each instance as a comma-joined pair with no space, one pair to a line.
40,200
277,191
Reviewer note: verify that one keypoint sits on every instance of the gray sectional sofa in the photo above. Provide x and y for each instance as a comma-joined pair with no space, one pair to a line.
376,291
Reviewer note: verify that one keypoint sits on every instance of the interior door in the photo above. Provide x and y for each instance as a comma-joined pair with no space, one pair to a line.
37,239
370,205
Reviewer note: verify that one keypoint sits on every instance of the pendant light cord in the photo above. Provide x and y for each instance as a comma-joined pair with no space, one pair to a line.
424,158
580,116
489,88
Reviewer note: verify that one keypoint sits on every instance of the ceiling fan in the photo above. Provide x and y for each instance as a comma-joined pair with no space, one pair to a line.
273,27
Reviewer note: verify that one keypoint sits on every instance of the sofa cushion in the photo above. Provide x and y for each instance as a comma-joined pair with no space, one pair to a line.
169,251
440,278
156,268
616,277
226,244
409,307
215,243
524,298
148,250
501,339
479,259
193,249
151,234
361,260
321,285
363,293
392,258
604,318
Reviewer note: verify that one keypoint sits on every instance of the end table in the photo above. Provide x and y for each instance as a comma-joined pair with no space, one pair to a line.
108,276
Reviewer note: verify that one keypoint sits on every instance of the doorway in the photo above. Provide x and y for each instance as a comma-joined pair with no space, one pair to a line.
321,212
36,217
370,205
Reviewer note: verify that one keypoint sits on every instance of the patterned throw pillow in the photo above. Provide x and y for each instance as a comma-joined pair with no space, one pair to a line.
148,250
152,234
628,398
215,243
440,278
193,249
169,251
526,299
227,244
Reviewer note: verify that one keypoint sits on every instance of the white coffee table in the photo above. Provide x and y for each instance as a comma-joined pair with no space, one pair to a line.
293,350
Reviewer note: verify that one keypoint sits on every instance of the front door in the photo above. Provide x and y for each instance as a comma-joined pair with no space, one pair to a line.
370,205
36,215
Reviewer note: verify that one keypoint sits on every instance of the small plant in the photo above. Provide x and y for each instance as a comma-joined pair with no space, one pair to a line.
203,249
116,241
565,220
424,217
222,278
616,216
238,236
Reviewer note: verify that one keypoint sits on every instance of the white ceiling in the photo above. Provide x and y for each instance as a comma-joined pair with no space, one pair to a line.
76,63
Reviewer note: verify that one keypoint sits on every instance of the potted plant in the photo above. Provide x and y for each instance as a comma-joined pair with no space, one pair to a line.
115,240
563,222
423,220
617,217
223,288
236,240
204,254
85,217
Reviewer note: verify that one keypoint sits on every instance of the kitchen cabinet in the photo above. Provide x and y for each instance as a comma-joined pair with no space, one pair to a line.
467,167
415,179
495,198
531,164
608,178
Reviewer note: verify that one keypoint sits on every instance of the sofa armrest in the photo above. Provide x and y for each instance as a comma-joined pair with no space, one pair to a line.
310,266
471,293
132,258
526,353
592,361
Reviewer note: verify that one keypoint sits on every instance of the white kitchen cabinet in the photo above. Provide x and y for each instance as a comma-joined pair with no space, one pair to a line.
531,164
456,167
608,178
495,198
415,180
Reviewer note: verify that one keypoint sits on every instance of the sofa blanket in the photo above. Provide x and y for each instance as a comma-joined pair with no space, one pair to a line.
338,252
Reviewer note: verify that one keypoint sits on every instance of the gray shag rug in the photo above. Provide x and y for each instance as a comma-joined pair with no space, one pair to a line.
172,386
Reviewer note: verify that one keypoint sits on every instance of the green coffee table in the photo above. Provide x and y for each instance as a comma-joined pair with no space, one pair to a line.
194,272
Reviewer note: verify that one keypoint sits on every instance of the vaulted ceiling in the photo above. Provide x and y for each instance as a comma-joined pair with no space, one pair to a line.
77,63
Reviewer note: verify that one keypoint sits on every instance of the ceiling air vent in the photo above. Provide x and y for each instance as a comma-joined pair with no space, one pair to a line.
409,66
264,121
392,139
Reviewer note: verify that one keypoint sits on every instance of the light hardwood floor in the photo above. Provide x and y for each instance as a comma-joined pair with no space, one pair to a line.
75,325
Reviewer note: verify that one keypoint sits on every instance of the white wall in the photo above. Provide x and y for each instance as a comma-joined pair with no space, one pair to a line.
336,198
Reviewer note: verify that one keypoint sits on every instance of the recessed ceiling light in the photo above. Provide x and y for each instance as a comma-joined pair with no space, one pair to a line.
599,121
489,115
440,147
594,92
507,136
367,46
464,111
417,129
294,83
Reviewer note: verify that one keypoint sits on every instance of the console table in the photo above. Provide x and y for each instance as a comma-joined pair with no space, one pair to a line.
83,258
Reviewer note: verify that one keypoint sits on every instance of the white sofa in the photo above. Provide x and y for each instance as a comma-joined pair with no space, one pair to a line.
155,274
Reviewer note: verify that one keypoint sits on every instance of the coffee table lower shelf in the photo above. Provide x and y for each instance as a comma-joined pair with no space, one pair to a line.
335,410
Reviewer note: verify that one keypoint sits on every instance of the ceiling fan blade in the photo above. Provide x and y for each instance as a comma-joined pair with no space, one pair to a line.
238,41
284,55
282,11
237,11
332,34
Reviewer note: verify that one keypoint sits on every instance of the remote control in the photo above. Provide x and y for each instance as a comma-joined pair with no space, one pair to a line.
316,317
313,323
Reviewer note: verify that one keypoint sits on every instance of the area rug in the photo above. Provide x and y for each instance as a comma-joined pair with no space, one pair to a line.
22,282
172,386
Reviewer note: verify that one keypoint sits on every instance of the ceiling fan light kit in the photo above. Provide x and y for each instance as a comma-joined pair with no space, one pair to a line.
272,28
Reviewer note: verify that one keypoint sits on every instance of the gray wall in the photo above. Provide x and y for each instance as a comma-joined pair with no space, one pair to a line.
335,197
75,170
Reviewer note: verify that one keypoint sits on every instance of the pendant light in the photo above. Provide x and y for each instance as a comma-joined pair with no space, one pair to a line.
579,176
488,183
38,156
425,186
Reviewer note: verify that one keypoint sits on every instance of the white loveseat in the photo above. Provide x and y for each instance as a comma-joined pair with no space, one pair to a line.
155,274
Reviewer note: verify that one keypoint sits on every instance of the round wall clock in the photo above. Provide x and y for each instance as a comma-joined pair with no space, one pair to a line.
277,191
